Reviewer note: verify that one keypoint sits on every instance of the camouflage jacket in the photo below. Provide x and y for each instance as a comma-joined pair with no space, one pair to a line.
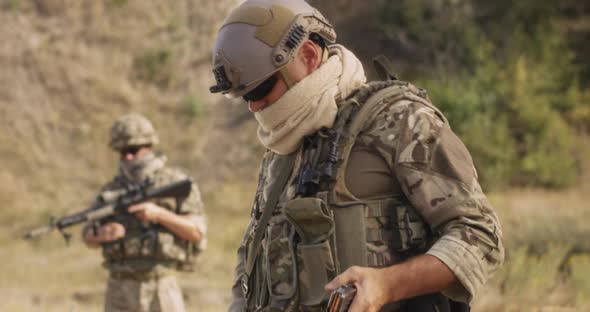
148,247
406,148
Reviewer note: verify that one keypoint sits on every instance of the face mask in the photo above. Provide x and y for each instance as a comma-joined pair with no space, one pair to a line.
138,170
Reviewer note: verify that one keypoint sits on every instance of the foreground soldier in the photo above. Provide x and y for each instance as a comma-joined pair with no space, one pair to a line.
143,250
362,184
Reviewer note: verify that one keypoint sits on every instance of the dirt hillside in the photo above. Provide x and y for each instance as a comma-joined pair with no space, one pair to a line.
69,68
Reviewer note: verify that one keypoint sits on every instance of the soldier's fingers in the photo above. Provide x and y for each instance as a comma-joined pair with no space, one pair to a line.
347,277
102,231
141,215
149,205
102,236
112,226
110,232
113,233
135,208
118,232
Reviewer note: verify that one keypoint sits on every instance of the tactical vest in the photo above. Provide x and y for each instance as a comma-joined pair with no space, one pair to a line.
319,228
146,245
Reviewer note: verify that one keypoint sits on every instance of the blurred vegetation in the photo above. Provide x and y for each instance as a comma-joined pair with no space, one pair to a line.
154,66
194,106
506,80
511,76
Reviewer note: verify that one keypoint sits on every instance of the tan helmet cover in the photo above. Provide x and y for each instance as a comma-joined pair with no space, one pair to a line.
132,130
260,37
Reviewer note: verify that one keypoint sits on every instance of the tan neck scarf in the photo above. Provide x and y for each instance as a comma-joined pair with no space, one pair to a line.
138,170
311,104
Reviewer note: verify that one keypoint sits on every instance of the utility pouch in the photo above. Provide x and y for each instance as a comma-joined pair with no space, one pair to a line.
279,261
311,218
314,226
132,246
191,250
171,248
350,232
113,250
410,229
150,242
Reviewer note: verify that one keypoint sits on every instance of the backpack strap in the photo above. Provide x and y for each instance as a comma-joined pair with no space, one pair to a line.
285,166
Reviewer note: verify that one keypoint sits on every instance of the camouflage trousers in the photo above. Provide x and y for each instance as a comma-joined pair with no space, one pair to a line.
158,294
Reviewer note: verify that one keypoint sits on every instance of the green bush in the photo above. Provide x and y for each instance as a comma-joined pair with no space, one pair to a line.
505,78
154,66
194,106
528,276
580,277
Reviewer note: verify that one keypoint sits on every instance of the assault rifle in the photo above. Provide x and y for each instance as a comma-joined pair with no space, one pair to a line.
114,203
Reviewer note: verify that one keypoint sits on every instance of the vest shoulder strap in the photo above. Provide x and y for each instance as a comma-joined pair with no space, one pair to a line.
358,110
285,168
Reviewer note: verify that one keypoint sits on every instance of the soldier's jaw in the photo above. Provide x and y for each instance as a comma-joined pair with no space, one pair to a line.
256,106
279,89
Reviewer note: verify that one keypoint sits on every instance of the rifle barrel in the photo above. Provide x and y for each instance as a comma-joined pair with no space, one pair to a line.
39,231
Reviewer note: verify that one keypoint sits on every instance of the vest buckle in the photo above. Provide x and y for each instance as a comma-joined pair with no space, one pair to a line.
244,283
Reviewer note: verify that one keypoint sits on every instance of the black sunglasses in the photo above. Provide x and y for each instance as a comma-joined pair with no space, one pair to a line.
261,90
131,150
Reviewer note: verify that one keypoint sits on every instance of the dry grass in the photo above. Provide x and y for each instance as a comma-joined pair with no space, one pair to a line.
46,275
547,252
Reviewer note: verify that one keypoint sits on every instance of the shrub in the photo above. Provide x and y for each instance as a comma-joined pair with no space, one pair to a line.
154,66
503,76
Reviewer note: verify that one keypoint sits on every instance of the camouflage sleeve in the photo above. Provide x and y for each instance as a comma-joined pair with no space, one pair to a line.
437,175
192,205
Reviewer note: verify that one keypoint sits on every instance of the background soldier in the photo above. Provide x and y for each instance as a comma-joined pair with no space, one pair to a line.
143,249
362,184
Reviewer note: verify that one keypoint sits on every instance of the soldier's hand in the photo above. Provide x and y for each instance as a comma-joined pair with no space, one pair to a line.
106,233
146,211
370,295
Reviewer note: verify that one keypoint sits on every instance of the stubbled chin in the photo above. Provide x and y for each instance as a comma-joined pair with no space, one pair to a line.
256,107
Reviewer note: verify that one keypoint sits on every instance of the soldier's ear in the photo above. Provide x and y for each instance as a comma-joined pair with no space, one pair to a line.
311,55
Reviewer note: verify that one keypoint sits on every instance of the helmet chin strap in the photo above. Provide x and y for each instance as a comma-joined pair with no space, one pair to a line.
325,55
288,78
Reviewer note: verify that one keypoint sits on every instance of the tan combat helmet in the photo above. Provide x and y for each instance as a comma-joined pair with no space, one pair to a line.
132,130
259,38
